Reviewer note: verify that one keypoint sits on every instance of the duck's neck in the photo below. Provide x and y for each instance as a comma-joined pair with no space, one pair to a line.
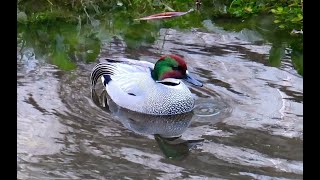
156,72
160,72
154,75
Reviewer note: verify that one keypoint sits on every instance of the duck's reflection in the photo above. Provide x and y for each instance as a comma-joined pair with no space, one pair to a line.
166,130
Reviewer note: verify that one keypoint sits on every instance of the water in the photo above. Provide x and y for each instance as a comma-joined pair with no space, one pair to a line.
247,124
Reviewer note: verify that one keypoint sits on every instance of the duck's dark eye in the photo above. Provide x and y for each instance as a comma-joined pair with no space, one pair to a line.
176,68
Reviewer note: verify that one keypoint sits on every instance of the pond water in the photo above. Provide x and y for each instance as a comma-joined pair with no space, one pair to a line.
247,123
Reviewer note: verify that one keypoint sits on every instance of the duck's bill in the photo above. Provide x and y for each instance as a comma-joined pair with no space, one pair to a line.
192,80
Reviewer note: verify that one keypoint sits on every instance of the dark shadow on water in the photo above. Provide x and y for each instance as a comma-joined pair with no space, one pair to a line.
208,74
293,95
176,149
261,141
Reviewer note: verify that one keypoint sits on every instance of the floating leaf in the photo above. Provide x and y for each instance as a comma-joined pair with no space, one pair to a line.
164,15
280,9
248,9
276,21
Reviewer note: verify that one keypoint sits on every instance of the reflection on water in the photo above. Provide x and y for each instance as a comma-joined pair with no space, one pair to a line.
247,122
166,130
165,126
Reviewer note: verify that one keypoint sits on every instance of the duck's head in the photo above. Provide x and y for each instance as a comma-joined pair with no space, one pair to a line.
169,68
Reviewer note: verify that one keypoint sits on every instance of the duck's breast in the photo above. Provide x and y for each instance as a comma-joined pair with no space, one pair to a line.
168,100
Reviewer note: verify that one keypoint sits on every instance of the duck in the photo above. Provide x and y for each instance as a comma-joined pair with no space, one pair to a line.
145,87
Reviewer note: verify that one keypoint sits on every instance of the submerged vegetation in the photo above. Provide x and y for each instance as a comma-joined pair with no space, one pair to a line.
288,13
74,31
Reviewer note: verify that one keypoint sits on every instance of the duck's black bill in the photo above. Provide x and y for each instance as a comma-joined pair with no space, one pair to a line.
192,80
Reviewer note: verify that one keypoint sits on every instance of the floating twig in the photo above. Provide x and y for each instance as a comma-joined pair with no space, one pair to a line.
164,15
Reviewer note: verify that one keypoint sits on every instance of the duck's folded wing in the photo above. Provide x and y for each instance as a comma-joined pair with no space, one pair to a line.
127,92
129,84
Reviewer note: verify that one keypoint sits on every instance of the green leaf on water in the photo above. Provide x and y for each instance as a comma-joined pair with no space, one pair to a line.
280,9
276,21
248,9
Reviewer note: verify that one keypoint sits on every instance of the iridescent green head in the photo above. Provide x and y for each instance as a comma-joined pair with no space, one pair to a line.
172,66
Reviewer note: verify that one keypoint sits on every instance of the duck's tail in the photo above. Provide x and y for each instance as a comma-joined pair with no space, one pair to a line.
105,69
110,67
